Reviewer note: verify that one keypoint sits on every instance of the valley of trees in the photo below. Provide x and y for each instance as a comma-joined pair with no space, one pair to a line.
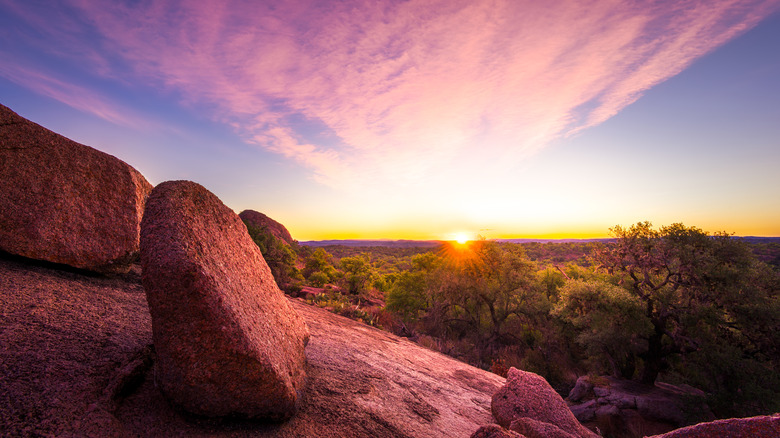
673,303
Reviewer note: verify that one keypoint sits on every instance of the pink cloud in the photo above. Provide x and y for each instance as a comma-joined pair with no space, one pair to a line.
76,96
413,88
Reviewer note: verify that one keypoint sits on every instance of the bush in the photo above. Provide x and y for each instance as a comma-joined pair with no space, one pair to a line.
318,279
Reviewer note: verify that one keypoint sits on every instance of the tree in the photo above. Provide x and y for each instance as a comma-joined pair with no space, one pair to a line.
318,268
408,295
357,273
609,321
696,291
480,289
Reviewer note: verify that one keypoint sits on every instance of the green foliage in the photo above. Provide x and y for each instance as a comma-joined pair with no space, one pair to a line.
279,256
557,253
609,321
712,305
357,273
332,300
318,268
481,292
318,279
551,280
341,304
695,308
409,295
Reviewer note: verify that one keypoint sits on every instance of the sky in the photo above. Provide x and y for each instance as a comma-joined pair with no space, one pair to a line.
422,119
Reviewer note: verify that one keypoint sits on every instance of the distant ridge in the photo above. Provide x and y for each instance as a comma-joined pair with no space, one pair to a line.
755,239
389,243
604,239
382,243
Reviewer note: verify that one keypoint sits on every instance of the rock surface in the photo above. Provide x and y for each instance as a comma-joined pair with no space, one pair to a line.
259,220
585,412
529,395
67,338
63,202
227,341
626,408
767,426
495,431
531,428
581,389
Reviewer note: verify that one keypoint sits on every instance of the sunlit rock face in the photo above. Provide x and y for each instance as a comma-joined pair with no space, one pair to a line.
63,202
228,343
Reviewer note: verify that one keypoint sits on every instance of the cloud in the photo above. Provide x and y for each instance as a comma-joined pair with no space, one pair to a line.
78,97
406,92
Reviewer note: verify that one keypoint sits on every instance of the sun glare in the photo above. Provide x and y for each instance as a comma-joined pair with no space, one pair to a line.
461,238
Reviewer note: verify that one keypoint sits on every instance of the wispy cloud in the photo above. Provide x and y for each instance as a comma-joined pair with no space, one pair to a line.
406,90
76,96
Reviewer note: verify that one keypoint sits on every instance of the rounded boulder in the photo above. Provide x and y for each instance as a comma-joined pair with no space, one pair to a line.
227,341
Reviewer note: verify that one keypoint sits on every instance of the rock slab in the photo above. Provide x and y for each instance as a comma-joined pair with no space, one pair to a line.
765,426
63,202
529,395
66,336
227,341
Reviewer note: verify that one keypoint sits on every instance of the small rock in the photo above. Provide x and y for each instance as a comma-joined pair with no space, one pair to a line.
580,390
622,400
537,429
228,343
529,395
584,412
607,411
495,431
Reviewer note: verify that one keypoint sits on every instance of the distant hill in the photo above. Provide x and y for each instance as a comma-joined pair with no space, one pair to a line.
553,240
754,239
379,243
388,243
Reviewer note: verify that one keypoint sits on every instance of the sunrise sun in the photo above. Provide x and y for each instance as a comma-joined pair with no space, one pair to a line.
461,238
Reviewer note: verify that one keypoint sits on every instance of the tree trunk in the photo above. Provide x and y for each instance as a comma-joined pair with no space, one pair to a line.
653,358
650,371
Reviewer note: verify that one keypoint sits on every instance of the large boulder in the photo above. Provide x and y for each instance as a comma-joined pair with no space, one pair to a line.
263,222
228,342
767,426
63,202
529,395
